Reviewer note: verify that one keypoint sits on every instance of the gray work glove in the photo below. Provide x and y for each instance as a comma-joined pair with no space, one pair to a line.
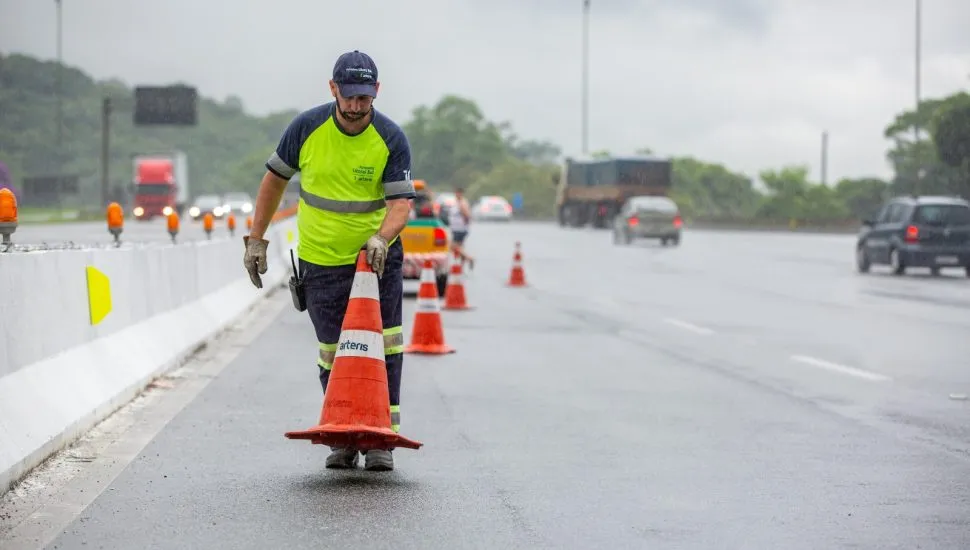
376,253
255,259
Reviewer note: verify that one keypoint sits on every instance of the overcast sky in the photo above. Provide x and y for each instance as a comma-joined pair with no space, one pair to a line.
750,83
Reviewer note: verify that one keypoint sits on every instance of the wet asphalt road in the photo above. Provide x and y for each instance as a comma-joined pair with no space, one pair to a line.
743,390
94,233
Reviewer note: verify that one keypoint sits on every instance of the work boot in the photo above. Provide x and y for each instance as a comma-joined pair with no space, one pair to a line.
342,459
378,460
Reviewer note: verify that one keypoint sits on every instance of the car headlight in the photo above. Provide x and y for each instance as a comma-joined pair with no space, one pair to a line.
167,211
217,211
139,211
194,211
247,208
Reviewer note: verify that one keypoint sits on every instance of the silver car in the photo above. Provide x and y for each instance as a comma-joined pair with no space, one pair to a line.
492,208
238,203
648,218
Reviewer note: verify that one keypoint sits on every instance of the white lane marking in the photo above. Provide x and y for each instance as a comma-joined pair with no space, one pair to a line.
688,326
835,367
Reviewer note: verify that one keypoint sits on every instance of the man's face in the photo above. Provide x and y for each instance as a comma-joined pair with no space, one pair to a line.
352,108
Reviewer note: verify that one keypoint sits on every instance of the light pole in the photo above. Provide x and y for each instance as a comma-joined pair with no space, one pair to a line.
825,158
60,61
916,119
585,76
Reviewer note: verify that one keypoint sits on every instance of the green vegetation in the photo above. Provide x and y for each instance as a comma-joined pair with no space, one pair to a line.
224,137
455,144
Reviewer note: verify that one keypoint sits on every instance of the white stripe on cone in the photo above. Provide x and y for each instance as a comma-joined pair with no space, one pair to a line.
361,343
365,286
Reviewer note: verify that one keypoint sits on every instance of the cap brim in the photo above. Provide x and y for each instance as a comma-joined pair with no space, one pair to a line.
350,90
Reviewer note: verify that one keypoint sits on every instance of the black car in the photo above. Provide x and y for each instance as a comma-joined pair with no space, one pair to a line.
931,232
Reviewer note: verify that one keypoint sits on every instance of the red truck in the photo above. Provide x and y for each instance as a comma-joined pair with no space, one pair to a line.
161,184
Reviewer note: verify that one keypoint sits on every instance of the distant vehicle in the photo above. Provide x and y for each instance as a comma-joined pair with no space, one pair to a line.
928,231
593,190
161,184
237,203
648,217
426,237
446,200
492,208
205,204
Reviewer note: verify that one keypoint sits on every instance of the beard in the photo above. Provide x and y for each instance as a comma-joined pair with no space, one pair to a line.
354,116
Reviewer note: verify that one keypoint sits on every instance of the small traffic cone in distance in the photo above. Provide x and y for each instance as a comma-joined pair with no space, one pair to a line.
455,291
356,410
517,276
428,335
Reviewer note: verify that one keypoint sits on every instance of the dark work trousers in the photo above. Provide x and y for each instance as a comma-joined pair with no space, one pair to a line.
327,295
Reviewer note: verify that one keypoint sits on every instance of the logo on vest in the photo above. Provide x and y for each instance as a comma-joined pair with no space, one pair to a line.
364,173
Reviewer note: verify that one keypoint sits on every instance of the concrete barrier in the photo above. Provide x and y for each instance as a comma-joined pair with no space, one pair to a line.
82,332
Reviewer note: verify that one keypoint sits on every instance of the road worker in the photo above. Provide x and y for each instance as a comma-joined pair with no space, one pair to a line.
355,168
459,219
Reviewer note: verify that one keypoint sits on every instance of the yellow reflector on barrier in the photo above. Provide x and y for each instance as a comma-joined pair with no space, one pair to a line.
99,295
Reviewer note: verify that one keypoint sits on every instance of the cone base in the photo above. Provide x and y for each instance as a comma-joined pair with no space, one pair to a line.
429,349
514,283
363,438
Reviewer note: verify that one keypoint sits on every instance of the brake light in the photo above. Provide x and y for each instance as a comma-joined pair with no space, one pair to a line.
632,221
440,237
426,211
678,221
912,234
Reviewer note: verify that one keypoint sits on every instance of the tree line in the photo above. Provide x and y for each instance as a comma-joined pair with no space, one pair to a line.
224,136
454,144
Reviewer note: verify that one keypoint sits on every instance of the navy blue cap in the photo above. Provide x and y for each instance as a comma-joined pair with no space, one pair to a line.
355,74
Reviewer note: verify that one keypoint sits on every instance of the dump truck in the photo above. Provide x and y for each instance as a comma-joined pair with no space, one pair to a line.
592,190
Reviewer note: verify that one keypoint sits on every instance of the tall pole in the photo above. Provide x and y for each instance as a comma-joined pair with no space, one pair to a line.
916,119
60,61
585,76
825,157
105,147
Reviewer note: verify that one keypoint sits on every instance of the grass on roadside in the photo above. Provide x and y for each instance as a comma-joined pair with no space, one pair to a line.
31,215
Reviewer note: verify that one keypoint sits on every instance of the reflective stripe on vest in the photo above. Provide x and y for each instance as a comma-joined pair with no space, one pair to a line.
355,207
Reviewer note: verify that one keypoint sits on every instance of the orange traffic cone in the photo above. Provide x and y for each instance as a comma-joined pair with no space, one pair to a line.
517,277
428,336
356,409
455,291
